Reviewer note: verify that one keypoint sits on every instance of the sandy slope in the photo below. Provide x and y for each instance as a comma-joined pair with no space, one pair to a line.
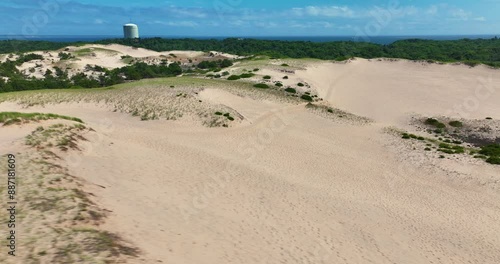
388,90
289,186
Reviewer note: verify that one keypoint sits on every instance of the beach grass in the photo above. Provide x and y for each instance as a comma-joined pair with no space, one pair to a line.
9,118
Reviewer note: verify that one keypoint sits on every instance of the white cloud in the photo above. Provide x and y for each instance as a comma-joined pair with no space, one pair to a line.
480,19
317,24
433,10
177,23
325,11
187,12
460,14
98,21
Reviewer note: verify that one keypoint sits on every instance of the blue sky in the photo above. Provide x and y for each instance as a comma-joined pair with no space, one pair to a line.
251,17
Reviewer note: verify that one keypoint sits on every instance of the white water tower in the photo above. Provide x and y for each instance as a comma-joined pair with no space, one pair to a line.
130,31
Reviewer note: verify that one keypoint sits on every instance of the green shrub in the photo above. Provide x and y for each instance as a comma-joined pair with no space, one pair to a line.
330,110
285,65
267,77
233,78
494,160
307,97
489,118
438,131
300,84
427,149
491,150
456,124
226,73
472,63
256,69
247,75
218,113
278,84
435,123
261,85
445,146
285,77
290,90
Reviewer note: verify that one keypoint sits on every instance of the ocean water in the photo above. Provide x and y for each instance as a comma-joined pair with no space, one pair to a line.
378,40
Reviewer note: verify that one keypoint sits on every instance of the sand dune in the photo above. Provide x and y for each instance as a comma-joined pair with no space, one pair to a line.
288,186
388,90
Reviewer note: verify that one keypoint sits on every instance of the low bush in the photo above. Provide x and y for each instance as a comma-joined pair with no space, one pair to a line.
233,78
261,86
300,84
494,160
435,123
247,75
267,77
307,97
456,124
491,150
290,90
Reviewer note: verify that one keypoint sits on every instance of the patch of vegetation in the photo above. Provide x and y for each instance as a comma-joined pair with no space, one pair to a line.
212,65
307,98
247,75
285,77
65,56
267,77
451,149
456,124
300,84
261,86
435,123
8,118
233,78
285,65
28,57
290,90
491,151
278,84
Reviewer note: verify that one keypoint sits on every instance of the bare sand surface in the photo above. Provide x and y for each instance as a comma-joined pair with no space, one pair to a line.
388,90
288,186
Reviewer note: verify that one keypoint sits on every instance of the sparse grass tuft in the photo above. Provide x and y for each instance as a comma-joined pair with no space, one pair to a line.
9,118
